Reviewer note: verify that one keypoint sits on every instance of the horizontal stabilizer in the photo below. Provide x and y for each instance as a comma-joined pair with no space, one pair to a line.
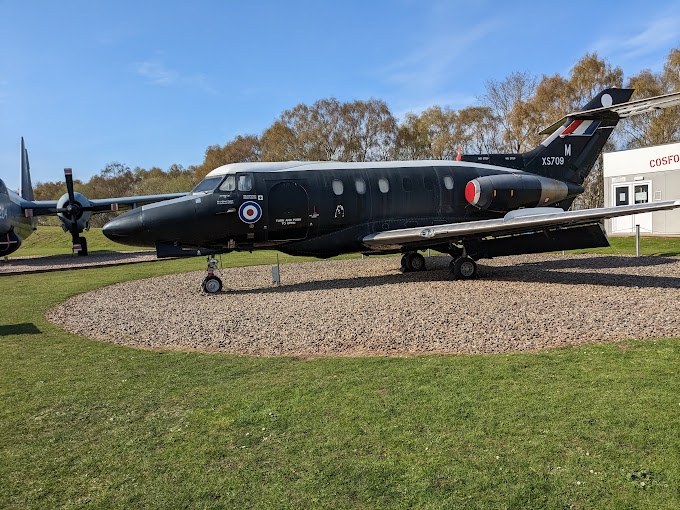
619,111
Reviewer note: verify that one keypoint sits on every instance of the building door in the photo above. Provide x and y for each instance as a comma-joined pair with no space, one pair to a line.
627,194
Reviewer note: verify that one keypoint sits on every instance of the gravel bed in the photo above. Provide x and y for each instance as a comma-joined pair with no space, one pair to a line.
64,262
368,308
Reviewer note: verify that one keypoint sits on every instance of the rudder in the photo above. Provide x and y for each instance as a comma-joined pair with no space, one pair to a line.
26,191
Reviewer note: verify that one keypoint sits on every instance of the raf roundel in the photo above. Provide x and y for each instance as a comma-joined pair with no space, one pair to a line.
250,212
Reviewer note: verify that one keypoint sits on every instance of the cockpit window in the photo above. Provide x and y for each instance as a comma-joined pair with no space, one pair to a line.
207,184
245,182
229,183
3,189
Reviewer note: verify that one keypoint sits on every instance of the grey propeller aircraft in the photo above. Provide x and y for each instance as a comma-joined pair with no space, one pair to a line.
479,206
18,212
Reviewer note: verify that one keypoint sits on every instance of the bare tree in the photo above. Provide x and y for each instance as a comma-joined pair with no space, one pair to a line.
479,130
240,149
369,131
663,126
510,101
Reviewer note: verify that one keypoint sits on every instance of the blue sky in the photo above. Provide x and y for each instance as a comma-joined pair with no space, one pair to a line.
151,83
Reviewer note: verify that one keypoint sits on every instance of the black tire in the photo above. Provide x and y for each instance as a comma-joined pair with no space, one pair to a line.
464,268
83,247
415,262
404,266
211,285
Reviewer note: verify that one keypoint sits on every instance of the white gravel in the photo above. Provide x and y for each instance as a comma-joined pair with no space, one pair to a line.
367,307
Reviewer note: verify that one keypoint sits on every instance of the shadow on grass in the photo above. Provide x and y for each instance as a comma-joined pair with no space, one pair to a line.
585,271
27,328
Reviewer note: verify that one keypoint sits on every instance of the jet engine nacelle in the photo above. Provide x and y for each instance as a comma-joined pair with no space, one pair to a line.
502,193
81,217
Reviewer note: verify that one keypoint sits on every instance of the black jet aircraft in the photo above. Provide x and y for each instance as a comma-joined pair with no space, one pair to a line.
478,206
18,211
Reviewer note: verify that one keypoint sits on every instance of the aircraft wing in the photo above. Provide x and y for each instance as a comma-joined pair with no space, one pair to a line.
43,207
520,221
106,204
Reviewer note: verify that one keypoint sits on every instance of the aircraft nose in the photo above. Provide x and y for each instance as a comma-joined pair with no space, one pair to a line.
128,228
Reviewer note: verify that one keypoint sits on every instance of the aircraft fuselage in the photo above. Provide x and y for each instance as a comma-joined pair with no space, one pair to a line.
14,225
318,209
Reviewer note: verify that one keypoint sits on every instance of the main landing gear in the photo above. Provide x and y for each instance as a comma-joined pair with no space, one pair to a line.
412,262
211,283
462,268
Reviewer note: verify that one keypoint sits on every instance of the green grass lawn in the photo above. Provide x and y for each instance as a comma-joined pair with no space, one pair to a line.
84,423
54,241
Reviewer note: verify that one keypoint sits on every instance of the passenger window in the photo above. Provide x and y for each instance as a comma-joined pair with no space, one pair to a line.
448,182
384,185
338,188
360,185
408,185
229,183
245,183
427,182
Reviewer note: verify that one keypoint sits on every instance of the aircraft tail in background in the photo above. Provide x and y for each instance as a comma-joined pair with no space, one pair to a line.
26,190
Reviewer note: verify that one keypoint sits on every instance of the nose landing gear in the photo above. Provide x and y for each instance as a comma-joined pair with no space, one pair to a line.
211,283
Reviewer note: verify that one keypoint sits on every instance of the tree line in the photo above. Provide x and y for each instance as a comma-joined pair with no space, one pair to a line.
508,118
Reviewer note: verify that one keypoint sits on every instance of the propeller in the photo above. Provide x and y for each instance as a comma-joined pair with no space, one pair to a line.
74,211
71,212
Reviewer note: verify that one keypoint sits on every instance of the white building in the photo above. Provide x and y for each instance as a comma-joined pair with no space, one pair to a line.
638,176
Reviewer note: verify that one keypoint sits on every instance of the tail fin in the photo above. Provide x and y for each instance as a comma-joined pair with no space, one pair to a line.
26,190
576,141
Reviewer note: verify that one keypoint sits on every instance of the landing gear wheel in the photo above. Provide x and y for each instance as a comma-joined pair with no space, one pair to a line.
83,247
463,268
415,261
412,262
211,284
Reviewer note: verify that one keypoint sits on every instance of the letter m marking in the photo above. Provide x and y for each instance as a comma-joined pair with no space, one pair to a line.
567,149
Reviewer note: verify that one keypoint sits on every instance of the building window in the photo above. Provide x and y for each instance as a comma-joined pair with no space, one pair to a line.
360,186
448,182
642,194
245,182
384,185
338,188
407,184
